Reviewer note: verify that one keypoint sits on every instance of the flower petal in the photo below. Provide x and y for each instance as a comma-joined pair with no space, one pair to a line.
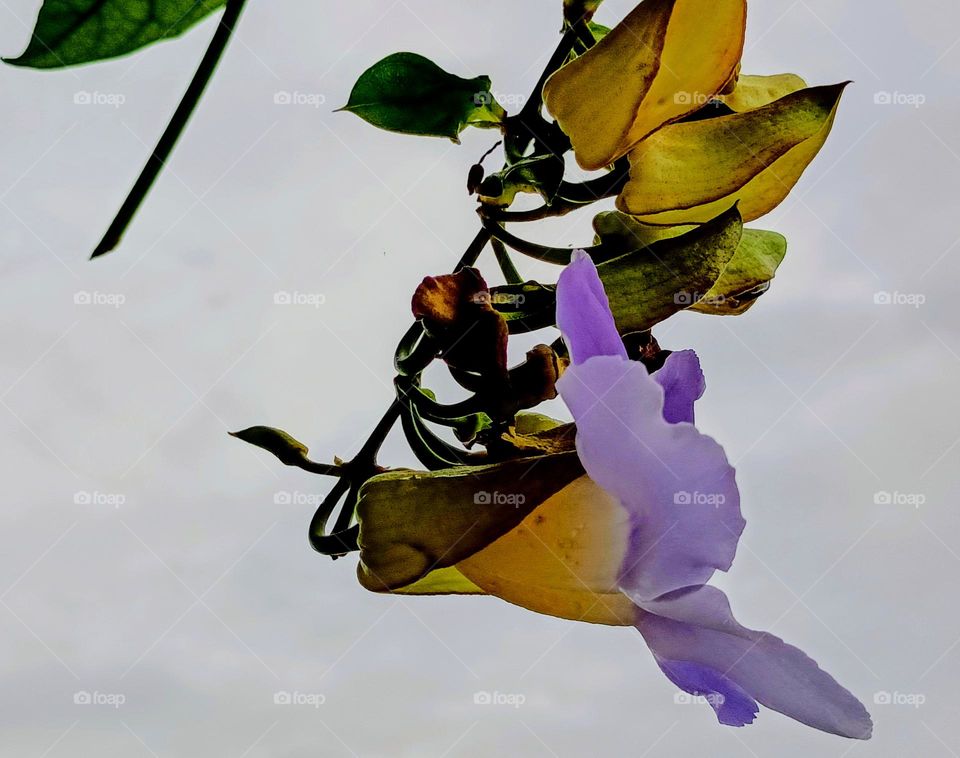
657,65
676,483
688,172
683,384
756,91
583,313
563,559
703,649
733,706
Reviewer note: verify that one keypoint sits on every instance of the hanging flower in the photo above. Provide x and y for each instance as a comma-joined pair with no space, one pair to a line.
627,530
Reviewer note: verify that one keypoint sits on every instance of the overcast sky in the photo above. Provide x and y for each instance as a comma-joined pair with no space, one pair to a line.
182,598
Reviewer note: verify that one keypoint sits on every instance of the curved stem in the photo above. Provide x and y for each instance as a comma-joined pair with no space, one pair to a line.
509,271
570,197
324,469
318,524
171,134
559,256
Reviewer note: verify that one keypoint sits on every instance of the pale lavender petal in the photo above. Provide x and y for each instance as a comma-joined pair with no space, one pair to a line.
704,650
683,384
583,313
674,481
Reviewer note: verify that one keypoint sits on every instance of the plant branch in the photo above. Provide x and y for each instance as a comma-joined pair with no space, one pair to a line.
171,134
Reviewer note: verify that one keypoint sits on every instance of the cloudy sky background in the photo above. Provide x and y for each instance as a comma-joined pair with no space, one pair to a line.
197,598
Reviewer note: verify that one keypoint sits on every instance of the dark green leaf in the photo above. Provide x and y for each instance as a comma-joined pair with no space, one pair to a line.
71,32
410,94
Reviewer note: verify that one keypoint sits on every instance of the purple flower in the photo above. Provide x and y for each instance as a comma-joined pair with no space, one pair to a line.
637,441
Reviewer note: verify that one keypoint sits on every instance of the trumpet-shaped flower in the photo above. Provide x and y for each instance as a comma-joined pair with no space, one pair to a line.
627,530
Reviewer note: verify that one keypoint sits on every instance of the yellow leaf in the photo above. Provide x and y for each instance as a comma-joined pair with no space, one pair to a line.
756,91
688,173
663,61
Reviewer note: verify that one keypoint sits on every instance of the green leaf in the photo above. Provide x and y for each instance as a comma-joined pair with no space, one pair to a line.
71,32
747,276
652,283
410,94
599,31
290,451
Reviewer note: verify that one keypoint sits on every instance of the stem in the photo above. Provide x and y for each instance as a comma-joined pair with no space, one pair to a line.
510,272
324,469
584,35
171,134
344,538
318,524
559,256
571,196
